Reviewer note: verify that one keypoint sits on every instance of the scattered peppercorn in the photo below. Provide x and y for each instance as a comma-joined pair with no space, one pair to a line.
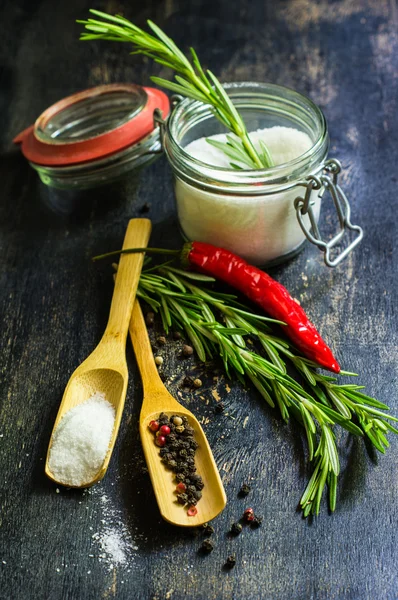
145,208
236,528
187,350
158,360
248,515
256,522
231,561
208,529
197,383
244,490
188,381
150,319
207,545
161,340
177,335
219,408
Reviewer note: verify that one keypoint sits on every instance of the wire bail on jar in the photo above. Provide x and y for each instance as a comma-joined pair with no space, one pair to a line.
303,206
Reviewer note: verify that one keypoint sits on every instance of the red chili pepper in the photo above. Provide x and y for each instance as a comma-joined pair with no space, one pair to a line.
264,291
259,287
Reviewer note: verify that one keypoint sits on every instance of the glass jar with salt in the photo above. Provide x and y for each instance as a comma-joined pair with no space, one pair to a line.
263,215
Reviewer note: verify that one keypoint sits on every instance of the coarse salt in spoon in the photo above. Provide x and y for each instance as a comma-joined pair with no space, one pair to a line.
156,400
103,375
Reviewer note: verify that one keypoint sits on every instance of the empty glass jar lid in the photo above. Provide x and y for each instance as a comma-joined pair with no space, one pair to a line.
92,125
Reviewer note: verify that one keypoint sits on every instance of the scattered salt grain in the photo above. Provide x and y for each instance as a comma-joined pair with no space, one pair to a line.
81,441
114,537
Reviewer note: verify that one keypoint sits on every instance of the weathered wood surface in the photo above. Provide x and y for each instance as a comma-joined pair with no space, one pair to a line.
54,306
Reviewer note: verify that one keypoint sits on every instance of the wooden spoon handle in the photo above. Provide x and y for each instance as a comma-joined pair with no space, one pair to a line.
128,275
151,381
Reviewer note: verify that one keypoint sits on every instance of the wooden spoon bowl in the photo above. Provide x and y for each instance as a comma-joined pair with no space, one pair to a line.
156,400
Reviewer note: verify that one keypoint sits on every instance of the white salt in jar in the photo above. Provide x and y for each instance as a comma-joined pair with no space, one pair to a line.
262,215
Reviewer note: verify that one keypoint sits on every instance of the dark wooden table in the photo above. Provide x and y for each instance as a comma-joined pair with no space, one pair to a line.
54,307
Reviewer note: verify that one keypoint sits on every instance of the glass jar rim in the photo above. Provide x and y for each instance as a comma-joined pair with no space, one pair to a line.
279,174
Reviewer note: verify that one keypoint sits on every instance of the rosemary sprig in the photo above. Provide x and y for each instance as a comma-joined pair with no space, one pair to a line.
191,81
218,326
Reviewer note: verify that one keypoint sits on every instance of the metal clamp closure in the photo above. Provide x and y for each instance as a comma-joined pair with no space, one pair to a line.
327,182
158,121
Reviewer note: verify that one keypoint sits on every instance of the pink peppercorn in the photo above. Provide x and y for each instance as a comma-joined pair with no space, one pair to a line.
164,430
248,515
153,425
160,441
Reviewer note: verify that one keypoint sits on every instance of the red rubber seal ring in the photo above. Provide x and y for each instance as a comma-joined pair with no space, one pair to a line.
103,145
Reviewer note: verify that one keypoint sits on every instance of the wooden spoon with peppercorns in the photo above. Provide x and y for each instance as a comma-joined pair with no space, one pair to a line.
173,476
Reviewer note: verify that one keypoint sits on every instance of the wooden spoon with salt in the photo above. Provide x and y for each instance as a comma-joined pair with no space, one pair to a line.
105,370
156,400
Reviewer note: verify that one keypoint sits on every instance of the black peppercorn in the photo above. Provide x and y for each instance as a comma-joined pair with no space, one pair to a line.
180,476
195,478
231,561
219,408
244,490
236,528
207,546
196,494
183,453
256,522
208,529
188,431
177,335
193,444
182,498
